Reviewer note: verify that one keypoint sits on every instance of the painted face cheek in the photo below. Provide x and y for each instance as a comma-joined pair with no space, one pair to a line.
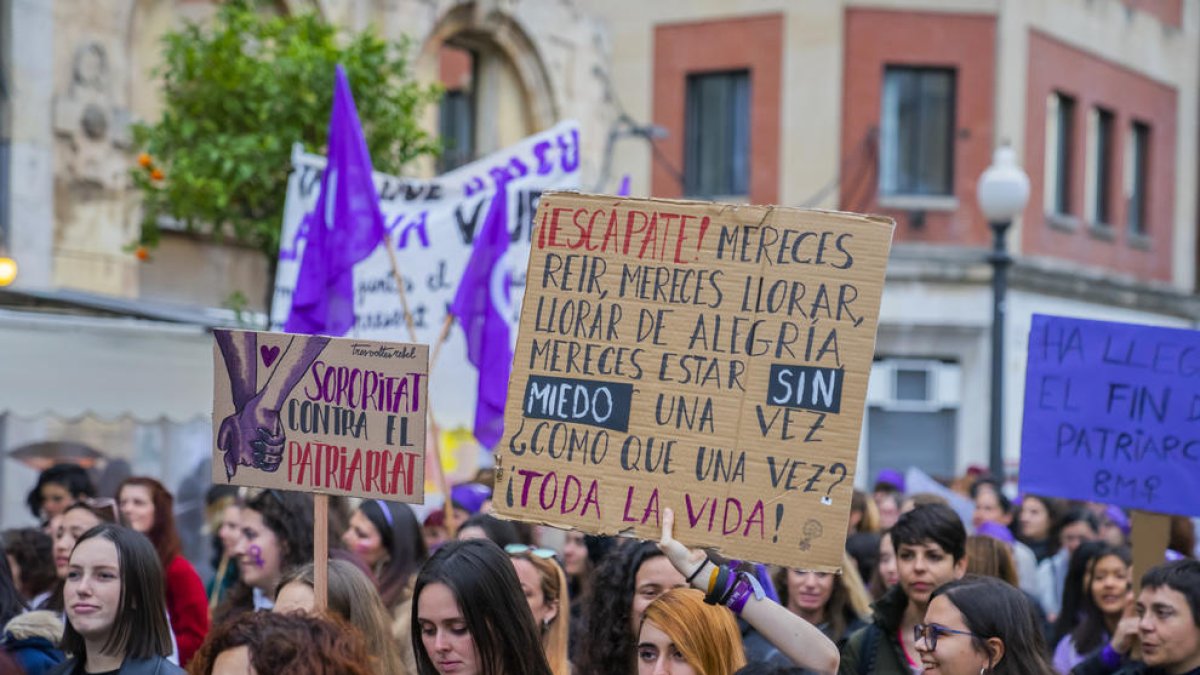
254,553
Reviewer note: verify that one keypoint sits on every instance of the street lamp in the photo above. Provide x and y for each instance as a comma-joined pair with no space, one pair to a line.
1003,191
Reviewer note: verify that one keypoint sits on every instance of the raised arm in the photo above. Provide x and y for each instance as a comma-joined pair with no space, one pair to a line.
796,638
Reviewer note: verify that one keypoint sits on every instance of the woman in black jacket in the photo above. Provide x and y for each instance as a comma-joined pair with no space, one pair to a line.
113,599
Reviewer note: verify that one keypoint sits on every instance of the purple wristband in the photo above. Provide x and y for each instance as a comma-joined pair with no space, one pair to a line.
741,593
1110,657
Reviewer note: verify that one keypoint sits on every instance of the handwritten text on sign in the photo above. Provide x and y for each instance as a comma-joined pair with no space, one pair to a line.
708,358
318,414
1112,414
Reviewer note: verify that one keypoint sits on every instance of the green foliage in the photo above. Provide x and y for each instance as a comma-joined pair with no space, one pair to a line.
236,96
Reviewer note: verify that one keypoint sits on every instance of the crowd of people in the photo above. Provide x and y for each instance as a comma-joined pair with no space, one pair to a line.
1027,586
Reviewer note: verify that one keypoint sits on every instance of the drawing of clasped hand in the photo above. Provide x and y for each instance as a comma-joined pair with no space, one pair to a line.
253,435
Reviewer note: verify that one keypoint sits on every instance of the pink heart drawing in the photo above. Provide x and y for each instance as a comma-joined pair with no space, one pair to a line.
268,354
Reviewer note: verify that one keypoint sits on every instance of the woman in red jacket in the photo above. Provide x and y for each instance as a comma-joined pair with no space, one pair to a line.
147,506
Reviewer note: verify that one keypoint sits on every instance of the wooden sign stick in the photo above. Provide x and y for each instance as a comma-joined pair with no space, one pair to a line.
320,552
1151,531
436,444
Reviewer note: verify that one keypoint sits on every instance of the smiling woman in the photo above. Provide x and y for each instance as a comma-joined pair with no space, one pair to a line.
116,617
980,625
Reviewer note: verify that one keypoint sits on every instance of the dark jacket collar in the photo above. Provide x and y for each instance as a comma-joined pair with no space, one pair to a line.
888,611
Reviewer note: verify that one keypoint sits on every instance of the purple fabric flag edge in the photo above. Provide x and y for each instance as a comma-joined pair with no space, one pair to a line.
323,299
487,332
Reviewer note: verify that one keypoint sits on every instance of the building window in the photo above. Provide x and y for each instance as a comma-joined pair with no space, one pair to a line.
1137,156
456,126
1060,130
1100,150
457,70
717,135
917,132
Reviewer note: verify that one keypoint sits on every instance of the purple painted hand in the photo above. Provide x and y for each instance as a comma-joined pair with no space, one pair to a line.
253,437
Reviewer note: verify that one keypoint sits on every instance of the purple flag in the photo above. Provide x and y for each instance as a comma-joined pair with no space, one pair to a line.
344,228
484,284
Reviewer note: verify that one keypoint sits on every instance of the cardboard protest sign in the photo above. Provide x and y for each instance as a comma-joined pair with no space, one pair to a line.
432,224
319,414
704,357
1112,414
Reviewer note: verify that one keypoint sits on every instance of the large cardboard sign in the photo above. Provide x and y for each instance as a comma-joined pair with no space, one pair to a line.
705,357
319,414
432,224
1112,414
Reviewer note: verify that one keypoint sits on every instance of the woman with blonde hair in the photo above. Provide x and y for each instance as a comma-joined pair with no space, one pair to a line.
544,584
351,596
680,626
837,604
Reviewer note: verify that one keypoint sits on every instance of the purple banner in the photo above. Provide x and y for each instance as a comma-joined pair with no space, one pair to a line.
1112,414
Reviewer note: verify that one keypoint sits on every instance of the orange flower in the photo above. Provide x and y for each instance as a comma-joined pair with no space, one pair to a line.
144,160
142,253
156,174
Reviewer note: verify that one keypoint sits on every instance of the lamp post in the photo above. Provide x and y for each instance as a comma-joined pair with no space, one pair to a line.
1003,191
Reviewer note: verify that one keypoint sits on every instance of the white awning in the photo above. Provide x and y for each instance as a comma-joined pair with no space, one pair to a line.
71,366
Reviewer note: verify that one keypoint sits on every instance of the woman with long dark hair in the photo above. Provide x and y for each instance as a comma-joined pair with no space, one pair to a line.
980,625
470,616
116,616
1103,581
277,535
623,586
147,507
387,538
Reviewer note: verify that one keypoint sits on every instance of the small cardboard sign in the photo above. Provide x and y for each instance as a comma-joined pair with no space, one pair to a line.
705,357
318,414
1112,414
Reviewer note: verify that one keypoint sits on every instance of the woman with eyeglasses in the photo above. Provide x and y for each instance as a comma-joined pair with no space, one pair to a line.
470,616
387,538
544,584
116,617
149,508
980,626
277,535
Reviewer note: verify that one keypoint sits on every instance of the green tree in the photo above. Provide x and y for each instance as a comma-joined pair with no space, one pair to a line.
238,93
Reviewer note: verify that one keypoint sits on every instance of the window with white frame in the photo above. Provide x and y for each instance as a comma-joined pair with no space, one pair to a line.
1137,159
1101,126
916,136
1060,129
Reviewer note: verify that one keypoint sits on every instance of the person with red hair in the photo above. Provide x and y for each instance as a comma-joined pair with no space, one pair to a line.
293,643
147,507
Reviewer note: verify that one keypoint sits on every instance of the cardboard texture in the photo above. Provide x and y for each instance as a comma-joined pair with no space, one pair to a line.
1151,532
1110,414
318,414
705,357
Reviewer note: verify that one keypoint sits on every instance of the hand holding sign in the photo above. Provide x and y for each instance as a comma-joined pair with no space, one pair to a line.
687,561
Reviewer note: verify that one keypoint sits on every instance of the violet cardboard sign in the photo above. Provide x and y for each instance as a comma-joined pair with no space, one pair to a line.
319,414
1112,414
705,357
